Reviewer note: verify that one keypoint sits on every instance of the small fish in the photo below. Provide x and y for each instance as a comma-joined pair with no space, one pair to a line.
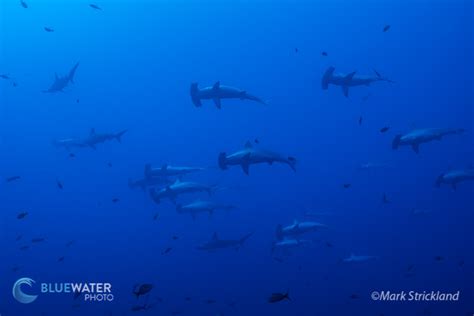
360,120
366,97
174,237
385,199
61,259
384,129
77,294
38,240
439,258
25,248
325,54
5,76
280,260
346,185
354,296
461,263
256,141
109,164
386,28
24,4
19,237
22,215
142,289
59,184
95,7
48,29
72,155
13,178
70,243
187,299
15,269
166,251
155,217
210,301
296,50
77,100
410,267
278,297
14,84
329,245
115,200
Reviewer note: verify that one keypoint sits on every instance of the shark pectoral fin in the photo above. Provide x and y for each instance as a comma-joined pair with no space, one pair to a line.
217,102
416,148
246,163
216,86
345,90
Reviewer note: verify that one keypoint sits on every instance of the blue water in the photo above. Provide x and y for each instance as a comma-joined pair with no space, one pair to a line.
137,61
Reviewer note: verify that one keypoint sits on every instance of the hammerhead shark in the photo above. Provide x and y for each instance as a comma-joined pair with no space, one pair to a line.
218,92
62,82
349,80
215,243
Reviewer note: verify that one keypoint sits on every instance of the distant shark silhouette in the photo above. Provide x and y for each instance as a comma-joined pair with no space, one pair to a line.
62,82
345,81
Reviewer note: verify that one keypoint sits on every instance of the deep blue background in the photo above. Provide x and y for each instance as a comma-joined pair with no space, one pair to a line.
137,60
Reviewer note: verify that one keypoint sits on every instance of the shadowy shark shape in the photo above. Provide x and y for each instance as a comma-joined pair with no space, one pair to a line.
199,206
420,136
454,177
62,82
218,92
95,138
215,243
345,81
250,155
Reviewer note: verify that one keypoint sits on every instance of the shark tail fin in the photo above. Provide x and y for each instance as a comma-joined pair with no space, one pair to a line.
382,78
327,77
253,98
287,295
292,163
194,91
222,161
72,72
119,135
279,232
396,141
439,180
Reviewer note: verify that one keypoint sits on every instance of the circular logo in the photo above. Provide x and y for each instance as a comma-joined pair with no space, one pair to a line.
18,293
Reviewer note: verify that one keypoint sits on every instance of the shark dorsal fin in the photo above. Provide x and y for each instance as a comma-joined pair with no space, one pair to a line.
92,131
177,181
248,145
348,78
164,166
215,237
216,85
296,222
352,255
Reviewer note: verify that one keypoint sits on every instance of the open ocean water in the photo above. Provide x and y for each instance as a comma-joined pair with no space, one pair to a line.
236,157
